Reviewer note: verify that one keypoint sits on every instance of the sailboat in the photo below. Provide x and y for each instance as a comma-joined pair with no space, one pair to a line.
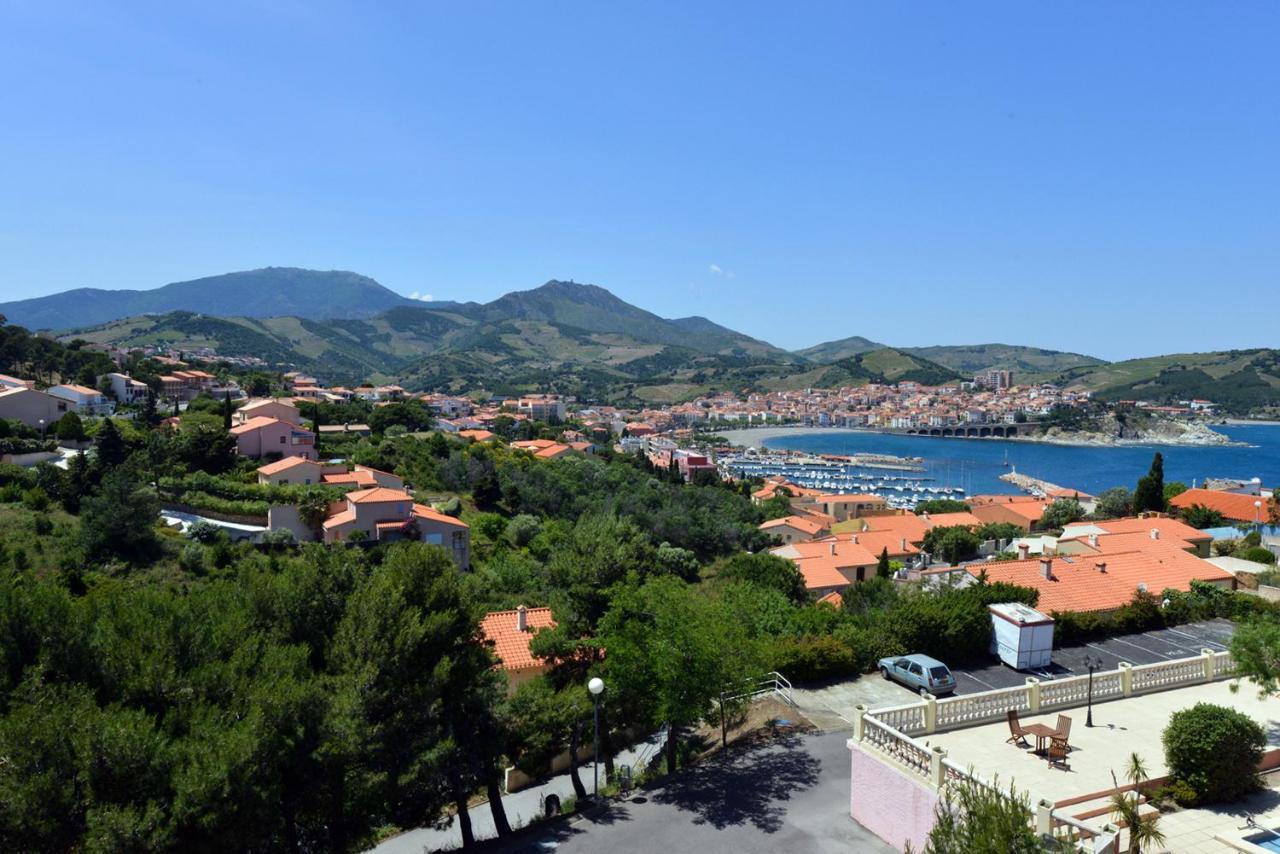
1006,460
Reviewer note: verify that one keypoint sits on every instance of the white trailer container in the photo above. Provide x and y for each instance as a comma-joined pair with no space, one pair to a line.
1022,636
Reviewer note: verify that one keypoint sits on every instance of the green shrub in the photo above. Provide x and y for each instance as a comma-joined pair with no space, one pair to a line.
1215,750
36,499
1074,627
809,659
1226,548
1178,791
1257,555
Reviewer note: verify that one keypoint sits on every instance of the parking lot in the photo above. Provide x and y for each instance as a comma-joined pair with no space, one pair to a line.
830,705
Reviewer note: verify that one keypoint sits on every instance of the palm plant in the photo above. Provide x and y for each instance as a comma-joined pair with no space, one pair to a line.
1143,832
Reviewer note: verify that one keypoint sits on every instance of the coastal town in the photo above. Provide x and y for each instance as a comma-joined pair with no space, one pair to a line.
695,428
1046,571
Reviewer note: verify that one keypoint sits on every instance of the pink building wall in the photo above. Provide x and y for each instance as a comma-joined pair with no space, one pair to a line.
891,805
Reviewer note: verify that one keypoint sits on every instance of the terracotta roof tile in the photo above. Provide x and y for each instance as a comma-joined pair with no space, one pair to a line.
510,645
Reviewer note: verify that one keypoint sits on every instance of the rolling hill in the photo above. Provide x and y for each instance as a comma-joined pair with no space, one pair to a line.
269,292
1027,363
843,348
1241,381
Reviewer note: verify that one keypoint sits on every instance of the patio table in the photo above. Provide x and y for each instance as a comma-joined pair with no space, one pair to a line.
1042,732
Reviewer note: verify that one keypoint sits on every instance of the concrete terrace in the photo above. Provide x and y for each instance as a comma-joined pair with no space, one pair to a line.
1121,727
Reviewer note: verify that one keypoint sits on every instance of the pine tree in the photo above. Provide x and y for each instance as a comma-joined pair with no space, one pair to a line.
226,412
110,445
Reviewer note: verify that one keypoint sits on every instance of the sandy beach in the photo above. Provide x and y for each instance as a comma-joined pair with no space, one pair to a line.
757,436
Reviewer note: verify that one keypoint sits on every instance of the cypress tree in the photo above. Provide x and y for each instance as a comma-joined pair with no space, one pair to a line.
1149,494
226,412
882,568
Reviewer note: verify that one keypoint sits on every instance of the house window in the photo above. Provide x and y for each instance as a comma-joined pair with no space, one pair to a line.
307,481
282,440
862,573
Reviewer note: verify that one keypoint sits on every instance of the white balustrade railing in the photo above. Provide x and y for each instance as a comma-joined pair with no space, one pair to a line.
909,719
1223,665
1167,674
1075,690
903,749
969,709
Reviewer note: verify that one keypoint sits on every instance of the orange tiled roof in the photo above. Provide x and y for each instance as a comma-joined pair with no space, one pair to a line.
1168,528
359,478
947,520
341,518
1233,505
800,523
424,512
510,645
910,526
284,465
477,435
1078,585
257,423
378,495
832,598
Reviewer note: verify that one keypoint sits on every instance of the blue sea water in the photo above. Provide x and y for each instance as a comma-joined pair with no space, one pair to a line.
976,464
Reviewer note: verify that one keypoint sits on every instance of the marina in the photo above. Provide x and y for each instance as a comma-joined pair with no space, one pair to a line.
845,475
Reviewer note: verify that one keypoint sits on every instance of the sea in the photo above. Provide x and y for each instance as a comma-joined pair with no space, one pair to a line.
976,464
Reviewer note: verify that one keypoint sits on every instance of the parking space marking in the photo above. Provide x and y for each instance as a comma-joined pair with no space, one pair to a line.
1175,654
990,687
1199,640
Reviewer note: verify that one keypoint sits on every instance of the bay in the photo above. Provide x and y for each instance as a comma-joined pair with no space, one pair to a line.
976,464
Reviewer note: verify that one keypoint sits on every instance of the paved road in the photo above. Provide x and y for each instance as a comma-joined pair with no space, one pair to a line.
791,795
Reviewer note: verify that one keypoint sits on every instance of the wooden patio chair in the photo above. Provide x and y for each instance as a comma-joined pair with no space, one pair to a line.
1017,735
1063,729
1058,748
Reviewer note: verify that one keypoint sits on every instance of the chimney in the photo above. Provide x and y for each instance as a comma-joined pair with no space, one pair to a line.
1046,568
833,548
925,515
902,545
854,539
522,618
1024,551
1101,566
1093,540
1155,533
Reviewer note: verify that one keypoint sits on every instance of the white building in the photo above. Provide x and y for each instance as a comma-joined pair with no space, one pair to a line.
83,399
125,388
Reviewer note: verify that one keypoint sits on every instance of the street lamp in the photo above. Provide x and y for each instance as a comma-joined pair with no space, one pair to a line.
596,687
41,429
1257,514
1093,662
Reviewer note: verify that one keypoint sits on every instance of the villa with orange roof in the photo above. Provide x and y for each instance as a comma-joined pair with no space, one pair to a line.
830,565
510,633
387,515
261,436
278,408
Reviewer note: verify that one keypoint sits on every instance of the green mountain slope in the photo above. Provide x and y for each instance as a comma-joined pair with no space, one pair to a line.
269,292
834,351
1027,363
1241,381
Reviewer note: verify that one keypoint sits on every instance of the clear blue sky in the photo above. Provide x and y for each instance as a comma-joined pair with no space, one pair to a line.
1101,177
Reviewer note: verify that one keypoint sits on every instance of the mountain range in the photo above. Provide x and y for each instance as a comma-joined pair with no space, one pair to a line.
268,292
576,339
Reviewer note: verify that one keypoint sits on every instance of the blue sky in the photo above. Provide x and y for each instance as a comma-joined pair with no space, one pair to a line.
1099,177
